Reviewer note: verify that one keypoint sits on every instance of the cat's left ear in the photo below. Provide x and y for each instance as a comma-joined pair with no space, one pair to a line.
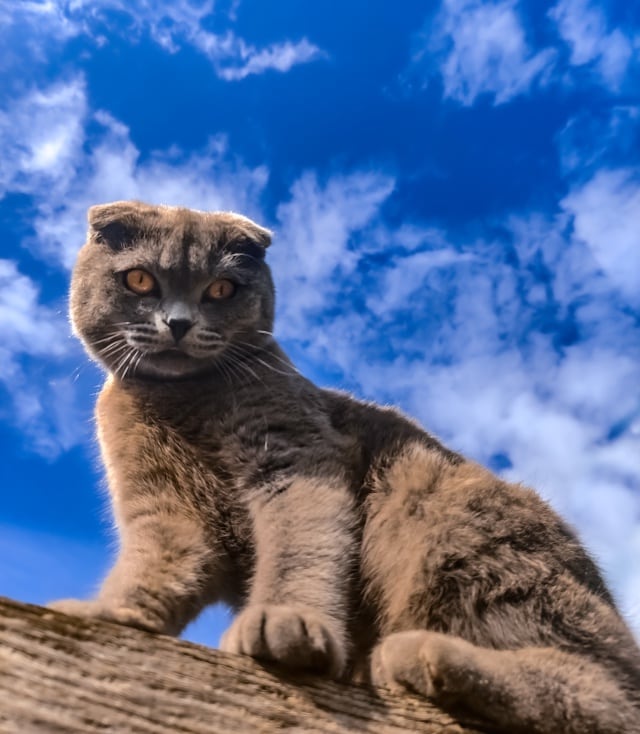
254,232
118,224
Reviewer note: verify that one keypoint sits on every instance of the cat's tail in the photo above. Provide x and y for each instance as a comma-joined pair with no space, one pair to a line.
536,690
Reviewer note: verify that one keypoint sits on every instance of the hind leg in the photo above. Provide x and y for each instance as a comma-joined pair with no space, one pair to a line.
541,690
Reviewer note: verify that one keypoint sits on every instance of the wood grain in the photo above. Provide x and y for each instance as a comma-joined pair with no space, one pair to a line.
59,674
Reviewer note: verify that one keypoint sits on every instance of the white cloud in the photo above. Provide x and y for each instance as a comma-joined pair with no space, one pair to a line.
584,28
481,48
591,140
210,179
45,13
172,24
41,136
251,60
26,326
33,334
606,217
314,253
48,157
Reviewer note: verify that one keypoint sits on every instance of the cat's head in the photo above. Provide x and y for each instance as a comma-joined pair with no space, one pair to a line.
163,292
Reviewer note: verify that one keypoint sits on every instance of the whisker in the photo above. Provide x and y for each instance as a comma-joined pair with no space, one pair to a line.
111,350
273,369
284,362
143,328
230,371
136,363
203,340
223,371
122,362
116,339
225,368
234,355
292,368
234,360
108,338
130,356
245,366
130,363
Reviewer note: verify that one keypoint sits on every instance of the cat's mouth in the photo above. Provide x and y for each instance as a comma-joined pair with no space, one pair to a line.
171,364
173,352
173,360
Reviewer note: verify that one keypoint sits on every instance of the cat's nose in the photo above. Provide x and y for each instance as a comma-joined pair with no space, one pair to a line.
179,327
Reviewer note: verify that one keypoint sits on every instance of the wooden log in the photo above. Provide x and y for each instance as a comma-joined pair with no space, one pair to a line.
60,674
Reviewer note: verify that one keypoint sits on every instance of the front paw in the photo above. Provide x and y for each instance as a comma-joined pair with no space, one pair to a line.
428,663
294,636
95,609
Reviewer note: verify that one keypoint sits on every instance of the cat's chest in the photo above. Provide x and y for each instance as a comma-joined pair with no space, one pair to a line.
222,447
246,449
216,450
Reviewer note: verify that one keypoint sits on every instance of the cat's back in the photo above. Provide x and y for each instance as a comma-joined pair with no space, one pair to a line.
450,545
469,511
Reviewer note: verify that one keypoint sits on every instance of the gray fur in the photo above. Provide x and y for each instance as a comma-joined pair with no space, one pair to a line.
340,531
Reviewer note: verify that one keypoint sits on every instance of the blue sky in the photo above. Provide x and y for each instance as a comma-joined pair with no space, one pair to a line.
454,188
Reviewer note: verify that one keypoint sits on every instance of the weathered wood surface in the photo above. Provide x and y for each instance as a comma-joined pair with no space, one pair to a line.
60,675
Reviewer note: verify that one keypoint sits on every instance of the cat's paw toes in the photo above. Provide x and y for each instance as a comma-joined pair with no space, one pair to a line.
294,636
396,663
428,663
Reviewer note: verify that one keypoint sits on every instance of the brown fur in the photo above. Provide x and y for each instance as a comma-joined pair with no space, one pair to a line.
339,530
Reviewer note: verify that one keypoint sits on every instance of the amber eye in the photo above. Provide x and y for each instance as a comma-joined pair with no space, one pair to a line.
140,282
220,289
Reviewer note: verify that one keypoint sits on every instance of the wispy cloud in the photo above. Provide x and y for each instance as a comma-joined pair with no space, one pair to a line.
27,327
33,335
607,53
210,179
595,139
41,136
606,217
172,24
251,60
481,48
316,255
49,157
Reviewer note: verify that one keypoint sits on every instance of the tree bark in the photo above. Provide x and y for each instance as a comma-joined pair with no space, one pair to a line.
59,674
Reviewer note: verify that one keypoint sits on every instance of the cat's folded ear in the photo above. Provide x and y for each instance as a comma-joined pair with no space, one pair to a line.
254,232
118,224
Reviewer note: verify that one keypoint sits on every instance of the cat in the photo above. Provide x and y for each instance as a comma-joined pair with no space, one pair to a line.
348,540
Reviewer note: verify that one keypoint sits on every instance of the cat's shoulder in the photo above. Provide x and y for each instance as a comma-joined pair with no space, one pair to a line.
382,429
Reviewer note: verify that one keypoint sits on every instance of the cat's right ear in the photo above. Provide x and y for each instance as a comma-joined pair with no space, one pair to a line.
117,225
